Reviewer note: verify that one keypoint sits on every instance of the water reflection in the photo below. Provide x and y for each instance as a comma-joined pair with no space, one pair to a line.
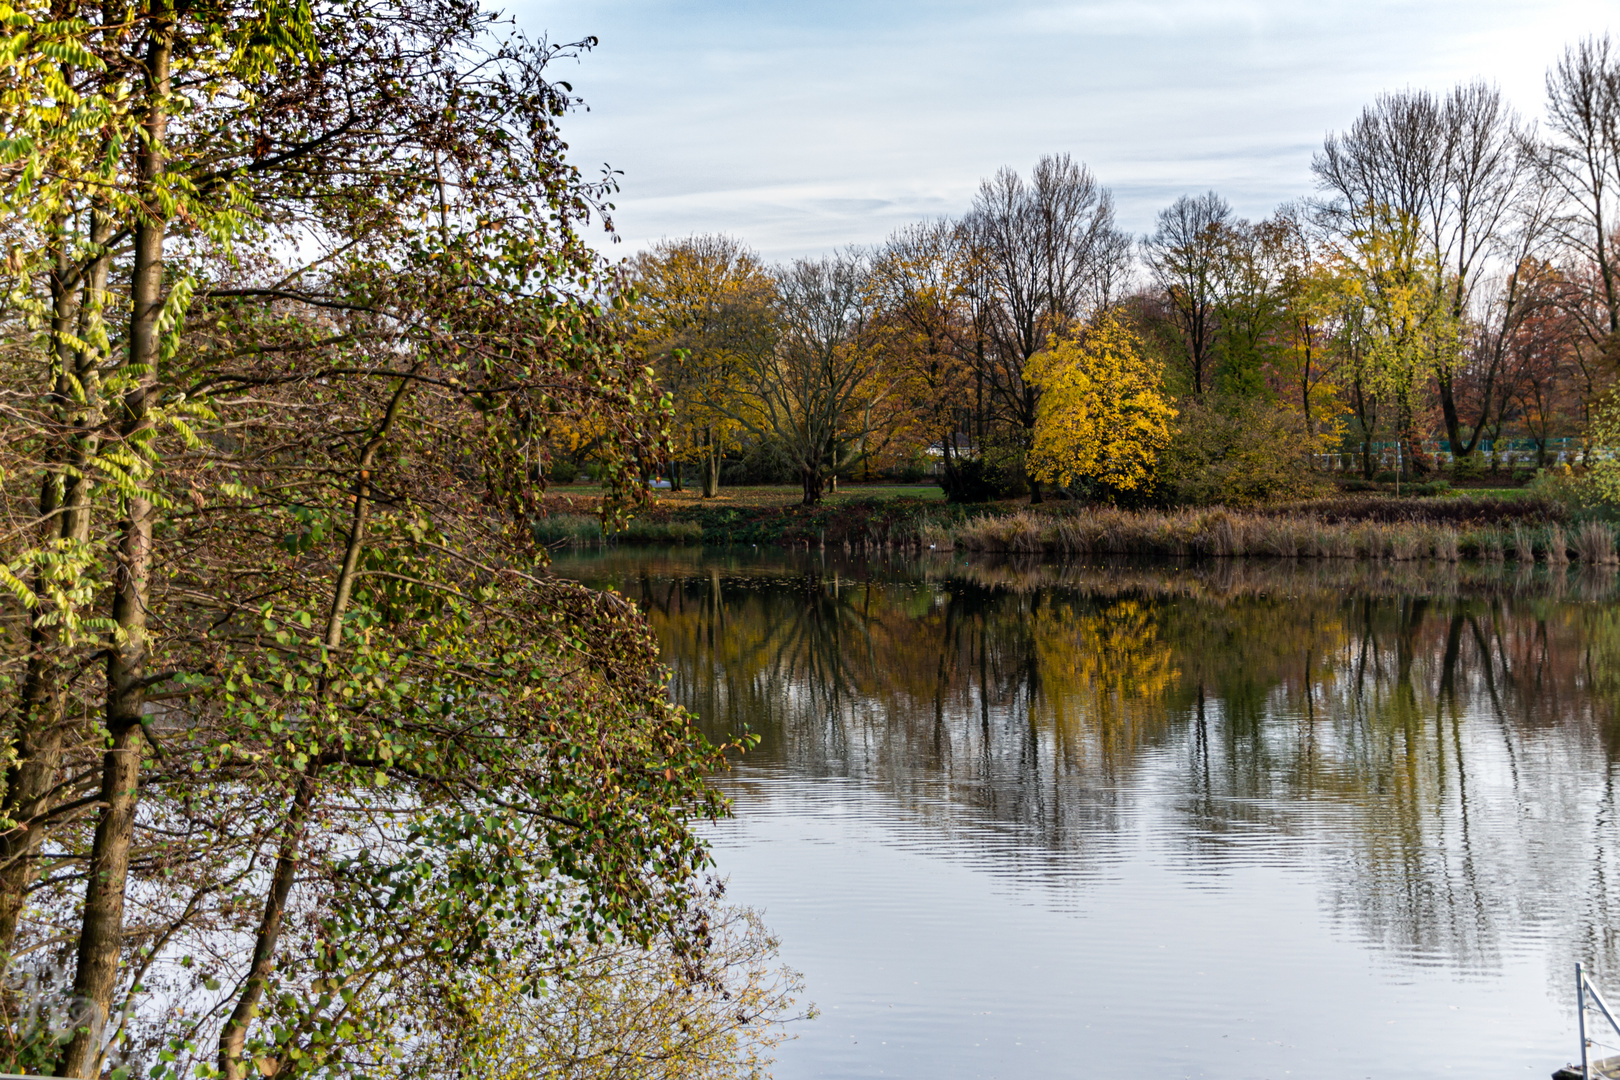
1436,746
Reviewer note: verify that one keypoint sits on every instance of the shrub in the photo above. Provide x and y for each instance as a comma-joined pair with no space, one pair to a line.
765,462
913,473
1470,467
1570,489
562,470
560,530
1453,511
641,531
977,480
1236,452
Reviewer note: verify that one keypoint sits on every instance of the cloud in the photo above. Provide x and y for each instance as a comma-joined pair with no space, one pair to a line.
802,127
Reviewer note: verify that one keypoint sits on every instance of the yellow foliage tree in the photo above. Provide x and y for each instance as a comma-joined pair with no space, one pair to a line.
922,280
702,311
1103,414
1399,319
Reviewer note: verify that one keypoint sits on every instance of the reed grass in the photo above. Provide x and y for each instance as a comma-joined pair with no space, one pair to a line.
1223,534
1593,543
1523,548
1557,547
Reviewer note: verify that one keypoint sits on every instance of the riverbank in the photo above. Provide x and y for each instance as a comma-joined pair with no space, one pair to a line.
1524,530
1520,535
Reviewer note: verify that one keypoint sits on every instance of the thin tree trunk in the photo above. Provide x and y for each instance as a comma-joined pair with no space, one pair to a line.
233,1036
948,462
102,925
38,715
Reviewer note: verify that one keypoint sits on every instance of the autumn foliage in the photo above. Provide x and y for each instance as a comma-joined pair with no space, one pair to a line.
1103,413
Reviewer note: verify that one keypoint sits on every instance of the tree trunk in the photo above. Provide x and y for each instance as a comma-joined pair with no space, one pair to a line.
101,931
234,1034
1029,420
711,465
812,480
948,462
711,475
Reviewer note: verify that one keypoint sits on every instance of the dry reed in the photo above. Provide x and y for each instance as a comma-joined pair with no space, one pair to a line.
1593,542
1446,546
1523,549
1224,534
1557,547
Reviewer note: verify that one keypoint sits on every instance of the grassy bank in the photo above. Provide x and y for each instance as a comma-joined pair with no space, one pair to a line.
1220,533
1520,529
761,517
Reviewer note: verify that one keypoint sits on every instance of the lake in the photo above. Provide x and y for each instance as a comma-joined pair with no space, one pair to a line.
1220,820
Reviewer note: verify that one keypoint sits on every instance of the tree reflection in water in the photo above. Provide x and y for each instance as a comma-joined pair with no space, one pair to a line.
1441,740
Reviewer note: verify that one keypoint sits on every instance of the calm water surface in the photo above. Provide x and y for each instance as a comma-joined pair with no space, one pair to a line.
1242,821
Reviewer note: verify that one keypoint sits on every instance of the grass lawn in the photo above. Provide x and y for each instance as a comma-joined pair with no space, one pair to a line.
931,492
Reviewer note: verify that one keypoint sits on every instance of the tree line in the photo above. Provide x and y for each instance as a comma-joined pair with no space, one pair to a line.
1452,282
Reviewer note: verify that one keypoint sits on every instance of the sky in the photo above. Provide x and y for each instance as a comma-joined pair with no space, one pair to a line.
805,127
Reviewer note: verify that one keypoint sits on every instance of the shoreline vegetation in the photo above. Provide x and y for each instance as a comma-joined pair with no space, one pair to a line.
1122,577
1492,529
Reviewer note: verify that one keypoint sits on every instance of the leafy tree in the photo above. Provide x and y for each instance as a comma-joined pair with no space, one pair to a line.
923,280
1250,307
295,715
1400,315
1451,170
1306,357
703,311
1103,414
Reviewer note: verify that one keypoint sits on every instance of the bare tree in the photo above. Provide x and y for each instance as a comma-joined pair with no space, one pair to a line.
1580,157
813,392
1452,170
1518,285
1048,252
1184,257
